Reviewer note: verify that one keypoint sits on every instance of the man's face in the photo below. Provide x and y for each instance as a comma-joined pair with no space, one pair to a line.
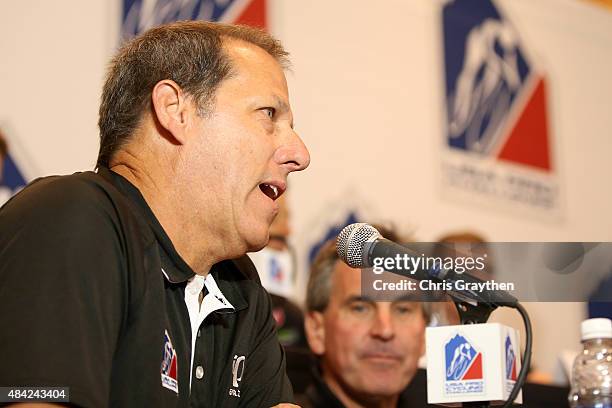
368,349
242,152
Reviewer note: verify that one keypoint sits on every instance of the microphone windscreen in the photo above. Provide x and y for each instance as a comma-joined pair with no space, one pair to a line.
351,242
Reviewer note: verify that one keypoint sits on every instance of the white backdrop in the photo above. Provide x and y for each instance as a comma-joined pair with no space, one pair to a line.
367,94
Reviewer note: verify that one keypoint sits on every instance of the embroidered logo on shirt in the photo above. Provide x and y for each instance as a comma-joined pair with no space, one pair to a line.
237,371
168,365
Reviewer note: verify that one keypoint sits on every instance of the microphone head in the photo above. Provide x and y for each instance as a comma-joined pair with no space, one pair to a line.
351,242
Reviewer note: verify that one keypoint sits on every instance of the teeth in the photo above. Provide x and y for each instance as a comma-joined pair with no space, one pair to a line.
275,190
270,190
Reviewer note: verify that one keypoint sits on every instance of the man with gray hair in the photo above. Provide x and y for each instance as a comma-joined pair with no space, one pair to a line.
130,285
367,350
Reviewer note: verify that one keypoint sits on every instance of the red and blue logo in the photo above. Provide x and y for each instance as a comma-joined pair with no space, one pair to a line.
510,360
495,96
169,377
463,367
276,270
140,15
12,177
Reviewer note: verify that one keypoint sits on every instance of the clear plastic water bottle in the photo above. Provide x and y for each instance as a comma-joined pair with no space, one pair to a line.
592,370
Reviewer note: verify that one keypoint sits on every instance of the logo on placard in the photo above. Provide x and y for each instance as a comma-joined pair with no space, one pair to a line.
463,365
169,365
510,360
498,136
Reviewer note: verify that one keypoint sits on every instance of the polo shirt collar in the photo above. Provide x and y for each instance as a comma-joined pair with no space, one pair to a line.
224,274
214,299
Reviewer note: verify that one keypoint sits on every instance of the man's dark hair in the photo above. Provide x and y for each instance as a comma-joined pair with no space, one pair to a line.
188,52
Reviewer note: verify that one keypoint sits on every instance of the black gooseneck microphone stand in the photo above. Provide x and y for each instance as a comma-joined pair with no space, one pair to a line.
479,312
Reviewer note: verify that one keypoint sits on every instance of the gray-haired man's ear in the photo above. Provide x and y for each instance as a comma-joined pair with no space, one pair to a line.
315,332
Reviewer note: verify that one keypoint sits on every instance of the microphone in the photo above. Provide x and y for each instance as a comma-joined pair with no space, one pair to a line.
360,244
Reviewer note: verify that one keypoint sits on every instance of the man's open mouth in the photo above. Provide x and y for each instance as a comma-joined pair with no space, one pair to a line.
270,190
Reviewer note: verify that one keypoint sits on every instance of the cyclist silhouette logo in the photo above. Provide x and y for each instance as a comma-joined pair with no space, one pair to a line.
463,366
495,92
460,362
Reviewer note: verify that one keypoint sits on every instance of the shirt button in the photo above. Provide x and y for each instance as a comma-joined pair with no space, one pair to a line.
199,372
199,333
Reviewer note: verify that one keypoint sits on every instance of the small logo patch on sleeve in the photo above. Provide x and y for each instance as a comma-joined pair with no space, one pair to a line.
169,365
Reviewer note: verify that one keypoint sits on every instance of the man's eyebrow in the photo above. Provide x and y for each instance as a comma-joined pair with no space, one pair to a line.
407,298
358,298
282,105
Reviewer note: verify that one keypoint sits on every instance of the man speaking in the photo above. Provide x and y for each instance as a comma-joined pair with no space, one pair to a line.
129,285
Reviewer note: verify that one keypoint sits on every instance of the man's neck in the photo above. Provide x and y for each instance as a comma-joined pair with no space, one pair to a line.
157,193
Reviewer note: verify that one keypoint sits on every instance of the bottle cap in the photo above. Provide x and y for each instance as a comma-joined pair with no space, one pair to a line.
596,328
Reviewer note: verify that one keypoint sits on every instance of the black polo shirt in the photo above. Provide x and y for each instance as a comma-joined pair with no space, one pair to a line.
93,298
319,395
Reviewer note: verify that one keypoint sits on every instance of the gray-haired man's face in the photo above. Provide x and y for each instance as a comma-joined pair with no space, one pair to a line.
366,347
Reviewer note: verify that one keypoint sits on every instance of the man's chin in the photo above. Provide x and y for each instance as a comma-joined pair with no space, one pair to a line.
256,242
256,247
377,389
384,383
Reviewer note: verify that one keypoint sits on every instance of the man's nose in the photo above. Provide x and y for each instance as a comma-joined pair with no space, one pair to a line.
382,326
293,153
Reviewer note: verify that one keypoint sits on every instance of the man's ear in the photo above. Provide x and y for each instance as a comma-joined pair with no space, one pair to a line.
315,332
171,109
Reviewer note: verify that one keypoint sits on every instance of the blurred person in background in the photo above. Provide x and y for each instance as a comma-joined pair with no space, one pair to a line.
277,267
452,245
367,350
468,243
